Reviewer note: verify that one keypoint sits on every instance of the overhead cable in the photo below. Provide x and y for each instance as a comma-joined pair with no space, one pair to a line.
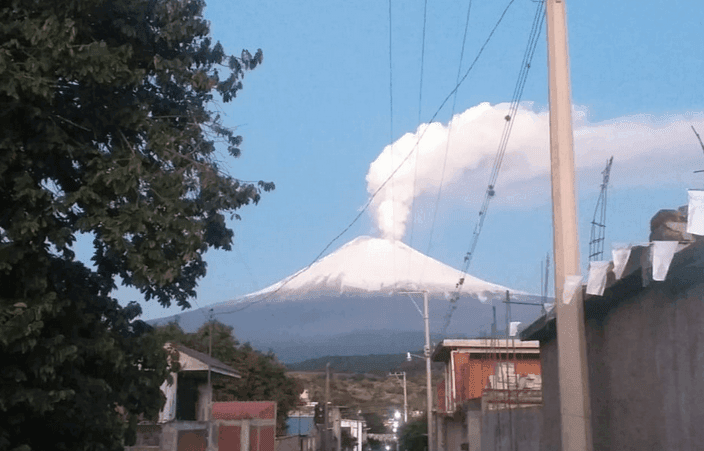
393,173
536,28
449,136
420,109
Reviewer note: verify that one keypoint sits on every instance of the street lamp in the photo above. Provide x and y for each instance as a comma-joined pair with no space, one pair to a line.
426,352
410,356
405,396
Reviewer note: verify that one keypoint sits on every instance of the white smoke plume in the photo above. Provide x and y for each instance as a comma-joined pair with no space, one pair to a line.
648,151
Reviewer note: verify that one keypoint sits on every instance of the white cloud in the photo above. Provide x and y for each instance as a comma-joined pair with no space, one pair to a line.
647,152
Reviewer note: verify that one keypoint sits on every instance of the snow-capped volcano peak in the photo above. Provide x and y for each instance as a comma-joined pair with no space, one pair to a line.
368,264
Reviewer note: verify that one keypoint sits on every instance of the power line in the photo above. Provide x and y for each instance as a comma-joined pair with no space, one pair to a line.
422,60
391,136
384,183
420,109
498,160
449,135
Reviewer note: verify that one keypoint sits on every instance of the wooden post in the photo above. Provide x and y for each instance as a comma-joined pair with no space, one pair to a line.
572,361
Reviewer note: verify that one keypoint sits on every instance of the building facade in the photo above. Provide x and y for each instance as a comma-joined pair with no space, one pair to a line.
481,375
644,325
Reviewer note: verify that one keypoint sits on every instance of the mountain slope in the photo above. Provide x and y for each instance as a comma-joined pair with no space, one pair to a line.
375,265
350,303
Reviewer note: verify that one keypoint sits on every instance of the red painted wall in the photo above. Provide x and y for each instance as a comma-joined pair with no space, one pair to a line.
229,438
472,374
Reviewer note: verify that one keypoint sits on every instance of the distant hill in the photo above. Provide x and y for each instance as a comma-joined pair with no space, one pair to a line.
374,392
360,364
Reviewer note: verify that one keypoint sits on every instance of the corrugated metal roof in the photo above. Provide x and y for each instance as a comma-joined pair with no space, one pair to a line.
300,425
200,362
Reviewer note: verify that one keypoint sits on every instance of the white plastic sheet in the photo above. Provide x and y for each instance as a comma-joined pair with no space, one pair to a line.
620,254
168,412
598,273
695,212
571,289
513,329
662,253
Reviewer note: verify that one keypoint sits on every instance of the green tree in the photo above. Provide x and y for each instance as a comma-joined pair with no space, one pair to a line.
264,378
375,423
347,441
107,132
413,436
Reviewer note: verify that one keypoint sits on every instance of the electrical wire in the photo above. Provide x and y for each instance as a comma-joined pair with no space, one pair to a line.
386,181
449,135
536,28
391,131
420,109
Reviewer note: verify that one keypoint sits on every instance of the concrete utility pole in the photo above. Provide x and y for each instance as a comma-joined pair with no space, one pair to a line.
428,374
210,385
428,378
405,395
326,411
572,357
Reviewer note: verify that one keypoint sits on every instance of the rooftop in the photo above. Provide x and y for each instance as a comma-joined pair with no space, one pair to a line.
675,261
483,346
198,361
239,410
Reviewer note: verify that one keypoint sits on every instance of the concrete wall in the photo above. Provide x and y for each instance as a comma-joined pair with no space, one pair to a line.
451,432
551,424
512,429
456,434
646,367
474,430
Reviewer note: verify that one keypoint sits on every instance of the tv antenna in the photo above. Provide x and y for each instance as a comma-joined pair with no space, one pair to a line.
700,143
598,233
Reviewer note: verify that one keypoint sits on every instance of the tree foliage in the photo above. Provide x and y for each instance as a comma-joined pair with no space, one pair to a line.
375,423
347,441
107,132
413,436
264,378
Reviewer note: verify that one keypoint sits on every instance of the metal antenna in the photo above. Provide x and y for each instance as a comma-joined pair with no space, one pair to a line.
596,238
700,143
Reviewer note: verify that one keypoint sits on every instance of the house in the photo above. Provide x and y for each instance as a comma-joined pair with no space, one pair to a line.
190,420
303,434
644,321
244,426
356,429
482,374
188,394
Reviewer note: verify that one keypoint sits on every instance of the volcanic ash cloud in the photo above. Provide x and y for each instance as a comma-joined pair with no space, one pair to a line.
638,143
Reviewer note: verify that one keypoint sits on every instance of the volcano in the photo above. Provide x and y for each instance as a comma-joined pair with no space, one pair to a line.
352,303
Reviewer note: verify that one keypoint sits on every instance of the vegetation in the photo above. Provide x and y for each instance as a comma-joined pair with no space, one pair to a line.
379,393
263,377
373,364
414,435
108,134
347,441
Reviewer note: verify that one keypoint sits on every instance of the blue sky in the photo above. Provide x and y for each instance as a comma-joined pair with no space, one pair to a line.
316,114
